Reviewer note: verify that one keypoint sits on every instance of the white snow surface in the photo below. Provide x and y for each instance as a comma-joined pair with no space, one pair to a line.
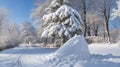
101,55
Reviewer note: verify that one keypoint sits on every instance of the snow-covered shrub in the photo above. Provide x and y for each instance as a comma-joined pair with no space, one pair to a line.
62,21
94,39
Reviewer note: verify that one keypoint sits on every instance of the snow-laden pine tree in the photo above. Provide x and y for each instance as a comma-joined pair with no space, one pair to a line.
116,12
62,21
28,33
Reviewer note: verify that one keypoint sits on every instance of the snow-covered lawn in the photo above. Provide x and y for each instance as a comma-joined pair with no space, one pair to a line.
43,57
101,55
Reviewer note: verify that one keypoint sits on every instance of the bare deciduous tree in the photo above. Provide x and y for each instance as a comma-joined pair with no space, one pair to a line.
105,11
94,21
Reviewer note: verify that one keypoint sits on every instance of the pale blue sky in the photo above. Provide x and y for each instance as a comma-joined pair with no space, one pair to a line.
19,10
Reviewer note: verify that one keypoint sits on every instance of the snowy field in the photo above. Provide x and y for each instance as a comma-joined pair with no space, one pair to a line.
101,55
39,57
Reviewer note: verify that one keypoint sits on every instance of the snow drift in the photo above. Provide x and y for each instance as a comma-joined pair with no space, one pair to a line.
76,46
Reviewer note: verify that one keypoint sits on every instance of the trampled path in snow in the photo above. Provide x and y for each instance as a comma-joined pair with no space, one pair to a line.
25,56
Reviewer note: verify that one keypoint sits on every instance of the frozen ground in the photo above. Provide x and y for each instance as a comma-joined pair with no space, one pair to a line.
101,55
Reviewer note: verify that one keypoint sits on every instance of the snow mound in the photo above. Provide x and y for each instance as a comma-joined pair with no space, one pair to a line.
76,46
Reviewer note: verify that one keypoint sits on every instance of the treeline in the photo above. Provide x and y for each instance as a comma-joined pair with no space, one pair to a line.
59,20
11,34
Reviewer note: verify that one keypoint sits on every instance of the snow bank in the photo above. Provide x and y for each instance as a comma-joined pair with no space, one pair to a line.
76,46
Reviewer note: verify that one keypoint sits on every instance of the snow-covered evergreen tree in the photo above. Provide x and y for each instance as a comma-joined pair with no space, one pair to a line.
62,21
28,33
116,12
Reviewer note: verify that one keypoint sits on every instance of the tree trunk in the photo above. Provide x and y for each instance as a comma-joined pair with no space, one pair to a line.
85,28
84,18
106,27
96,30
88,31
107,32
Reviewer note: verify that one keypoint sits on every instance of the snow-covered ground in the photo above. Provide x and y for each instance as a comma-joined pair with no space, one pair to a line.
101,55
